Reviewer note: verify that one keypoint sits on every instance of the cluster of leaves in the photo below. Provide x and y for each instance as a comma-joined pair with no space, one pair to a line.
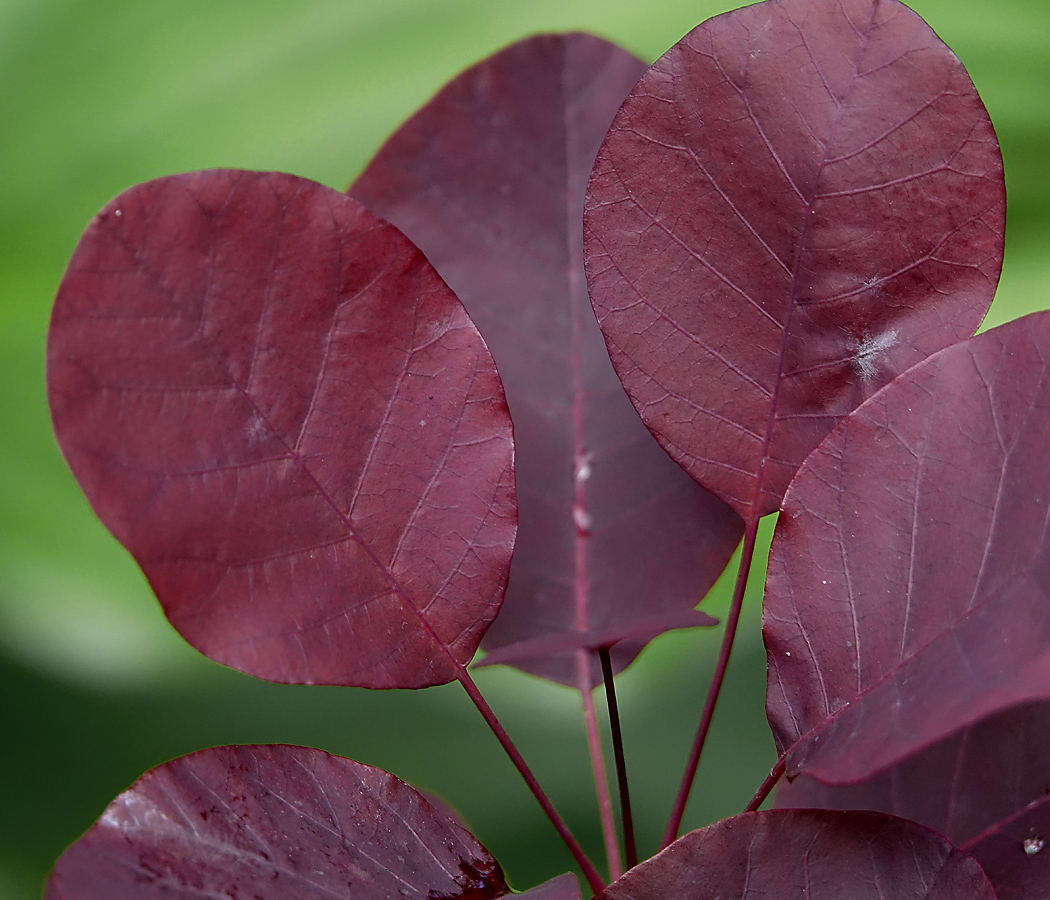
789,228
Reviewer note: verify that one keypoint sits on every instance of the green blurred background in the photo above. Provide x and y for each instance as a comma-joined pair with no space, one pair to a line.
97,95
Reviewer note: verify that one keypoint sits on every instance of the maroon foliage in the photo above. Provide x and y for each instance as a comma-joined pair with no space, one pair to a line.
639,629
800,200
811,854
488,180
276,405
985,788
908,585
273,823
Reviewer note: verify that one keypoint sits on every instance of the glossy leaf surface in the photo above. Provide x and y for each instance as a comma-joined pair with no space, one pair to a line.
273,823
985,788
807,855
488,179
908,592
800,200
273,401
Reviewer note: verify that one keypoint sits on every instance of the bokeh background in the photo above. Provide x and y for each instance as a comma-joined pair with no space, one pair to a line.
95,688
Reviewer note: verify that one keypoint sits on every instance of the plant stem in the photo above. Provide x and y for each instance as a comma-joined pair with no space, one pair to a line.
767,785
586,866
601,780
674,822
630,848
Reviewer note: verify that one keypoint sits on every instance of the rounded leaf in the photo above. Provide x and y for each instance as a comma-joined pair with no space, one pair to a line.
273,823
908,590
807,855
800,200
274,402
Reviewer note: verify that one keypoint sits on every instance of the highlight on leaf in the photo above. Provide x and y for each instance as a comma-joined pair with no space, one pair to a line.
274,823
824,191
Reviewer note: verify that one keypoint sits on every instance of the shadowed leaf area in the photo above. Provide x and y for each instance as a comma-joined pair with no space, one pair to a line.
488,180
986,788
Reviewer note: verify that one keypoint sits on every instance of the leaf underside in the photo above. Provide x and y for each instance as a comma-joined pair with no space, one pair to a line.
488,180
800,200
908,593
274,402
808,855
273,823
985,788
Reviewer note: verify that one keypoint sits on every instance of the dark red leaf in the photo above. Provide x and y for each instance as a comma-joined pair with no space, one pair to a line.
564,887
800,200
640,630
985,788
273,823
488,179
273,401
909,591
808,855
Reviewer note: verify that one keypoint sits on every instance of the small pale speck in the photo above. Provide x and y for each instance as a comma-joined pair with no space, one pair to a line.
422,422
117,212
823,582
1032,845
787,653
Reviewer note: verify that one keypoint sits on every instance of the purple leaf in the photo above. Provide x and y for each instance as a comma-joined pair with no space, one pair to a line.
278,407
488,179
907,594
640,630
273,823
564,887
800,200
811,854
985,788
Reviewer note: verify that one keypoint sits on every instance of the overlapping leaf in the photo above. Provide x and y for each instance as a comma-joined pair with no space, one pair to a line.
811,854
800,200
274,402
986,788
908,593
488,179
273,823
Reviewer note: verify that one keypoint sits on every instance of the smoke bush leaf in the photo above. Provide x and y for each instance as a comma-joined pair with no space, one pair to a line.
811,854
985,788
797,202
488,180
907,594
273,823
274,402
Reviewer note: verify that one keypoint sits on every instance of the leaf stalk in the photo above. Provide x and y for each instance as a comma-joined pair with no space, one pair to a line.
586,866
674,821
629,845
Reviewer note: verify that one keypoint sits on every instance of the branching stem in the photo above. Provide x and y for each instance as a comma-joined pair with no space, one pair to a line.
586,866
767,785
674,822
630,848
